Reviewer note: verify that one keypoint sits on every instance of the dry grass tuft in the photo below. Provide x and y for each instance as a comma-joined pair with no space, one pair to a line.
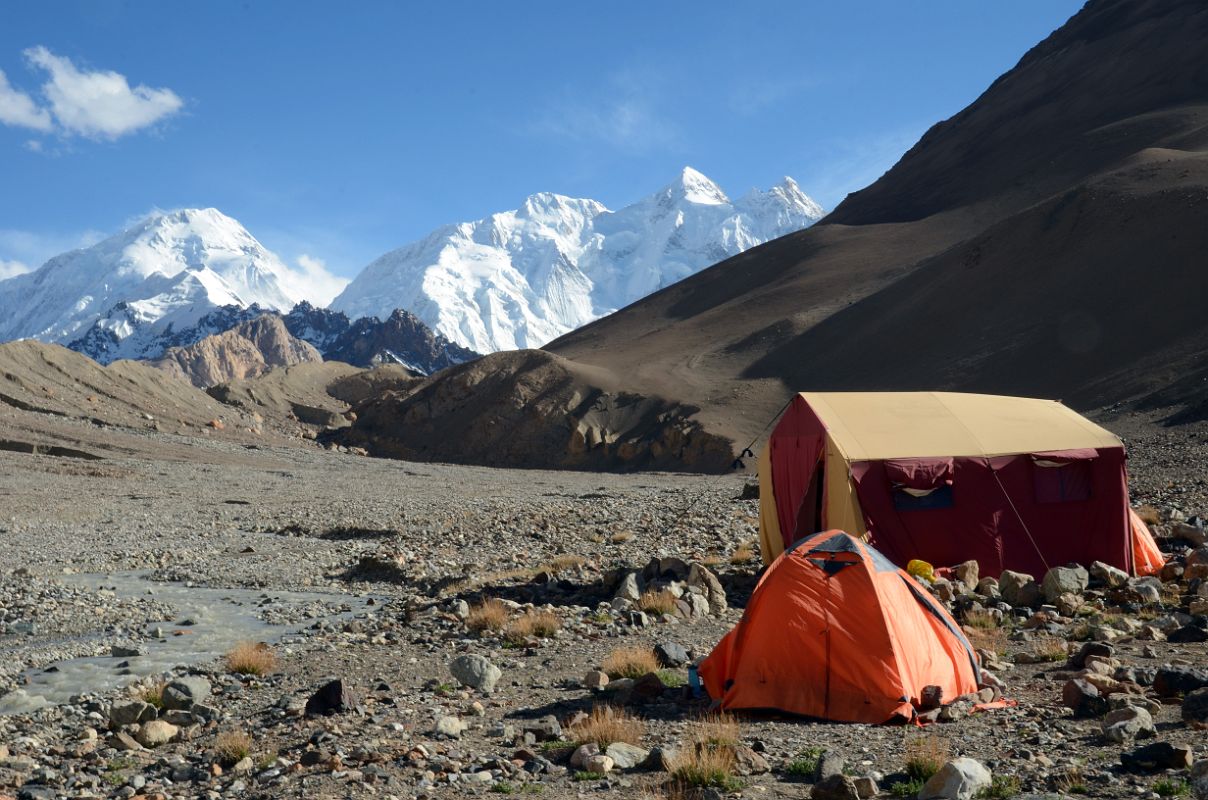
1072,781
981,618
539,624
620,537
662,602
251,658
716,730
707,760
606,725
743,555
1051,648
630,662
564,562
231,747
489,615
712,560
926,754
153,694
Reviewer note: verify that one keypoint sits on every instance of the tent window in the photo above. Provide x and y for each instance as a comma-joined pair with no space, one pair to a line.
907,499
1062,483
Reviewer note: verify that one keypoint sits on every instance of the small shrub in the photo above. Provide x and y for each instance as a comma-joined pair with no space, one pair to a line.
503,787
630,662
153,694
489,615
606,725
1001,787
980,618
1072,781
583,775
251,658
805,765
659,603
925,755
1050,648
673,679
1149,515
1170,787
910,788
541,624
717,730
743,555
231,747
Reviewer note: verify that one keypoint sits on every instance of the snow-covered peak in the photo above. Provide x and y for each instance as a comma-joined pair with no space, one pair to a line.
159,275
522,278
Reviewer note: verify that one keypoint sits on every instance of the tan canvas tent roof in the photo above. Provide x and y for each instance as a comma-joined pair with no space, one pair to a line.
869,426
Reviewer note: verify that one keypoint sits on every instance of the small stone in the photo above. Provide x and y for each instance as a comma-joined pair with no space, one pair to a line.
125,651
578,759
156,732
123,741
626,756
671,654
959,779
1195,709
1064,580
1018,589
1107,575
1083,698
331,698
748,762
130,713
599,764
182,693
835,787
595,680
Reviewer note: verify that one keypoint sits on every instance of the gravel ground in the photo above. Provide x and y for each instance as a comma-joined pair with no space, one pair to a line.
423,538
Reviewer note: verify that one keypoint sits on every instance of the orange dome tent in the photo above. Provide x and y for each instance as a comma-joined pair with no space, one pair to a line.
835,631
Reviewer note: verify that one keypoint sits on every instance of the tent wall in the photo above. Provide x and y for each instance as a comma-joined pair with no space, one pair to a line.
771,541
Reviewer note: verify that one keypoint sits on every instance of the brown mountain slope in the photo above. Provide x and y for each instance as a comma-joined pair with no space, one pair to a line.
249,349
1047,240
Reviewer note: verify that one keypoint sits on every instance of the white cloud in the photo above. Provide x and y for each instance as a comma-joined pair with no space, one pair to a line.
623,114
95,104
11,269
34,248
19,109
315,281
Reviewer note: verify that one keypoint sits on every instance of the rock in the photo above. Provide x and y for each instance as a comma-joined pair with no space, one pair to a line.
649,686
629,589
182,693
156,732
1188,634
1195,708
836,787
1192,531
1157,757
1146,590
830,764
1126,724
1018,589
748,762
626,756
865,787
476,672
1172,681
1083,698
1064,580
123,741
988,587
131,712
943,589
546,728
1107,575
967,573
659,760
595,680
578,759
699,576
125,651
243,765
599,765
1198,776
959,779
449,726
1089,649
331,698
671,654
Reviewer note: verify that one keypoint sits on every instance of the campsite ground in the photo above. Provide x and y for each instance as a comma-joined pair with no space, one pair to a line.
417,538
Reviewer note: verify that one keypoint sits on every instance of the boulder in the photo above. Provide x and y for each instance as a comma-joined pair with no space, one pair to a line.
578,759
1157,757
1198,776
1107,575
182,693
545,729
330,698
1172,681
671,654
1064,580
748,762
988,587
626,756
1126,724
476,672
1089,649
599,765
1195,708
629,589
1192,531
1018,589
959,779
595,680
130,712
836,787
156,732
699,576
1083,698
967,573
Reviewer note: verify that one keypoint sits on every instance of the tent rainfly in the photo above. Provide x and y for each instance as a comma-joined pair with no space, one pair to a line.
835,631
1014,483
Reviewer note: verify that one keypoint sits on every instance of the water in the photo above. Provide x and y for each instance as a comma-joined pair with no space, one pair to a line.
221,618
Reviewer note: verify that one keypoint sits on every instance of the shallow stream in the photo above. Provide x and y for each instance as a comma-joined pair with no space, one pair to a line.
207,624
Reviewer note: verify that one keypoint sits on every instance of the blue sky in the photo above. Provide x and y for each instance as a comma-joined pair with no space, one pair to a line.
336,132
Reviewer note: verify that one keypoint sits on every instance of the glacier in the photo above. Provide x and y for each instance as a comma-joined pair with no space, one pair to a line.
522,278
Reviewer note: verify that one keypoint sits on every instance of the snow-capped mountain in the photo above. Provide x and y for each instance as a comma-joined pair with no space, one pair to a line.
522,278
129,295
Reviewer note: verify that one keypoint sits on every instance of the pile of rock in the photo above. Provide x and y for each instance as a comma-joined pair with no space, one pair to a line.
697,591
